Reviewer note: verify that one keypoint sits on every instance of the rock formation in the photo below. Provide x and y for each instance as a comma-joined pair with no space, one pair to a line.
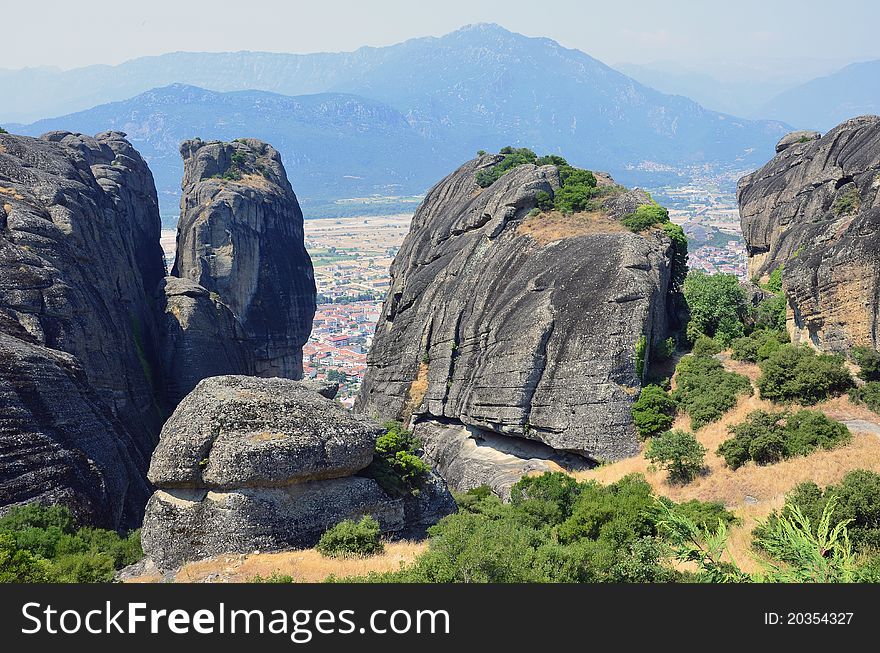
201,337
815,208
249,464
79,251
503,329
241,236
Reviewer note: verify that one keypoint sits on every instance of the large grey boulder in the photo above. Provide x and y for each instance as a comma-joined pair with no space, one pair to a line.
79,259
522,326
241,432
247,464
815,208
240,235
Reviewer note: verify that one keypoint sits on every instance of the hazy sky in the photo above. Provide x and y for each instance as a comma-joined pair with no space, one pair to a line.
721,37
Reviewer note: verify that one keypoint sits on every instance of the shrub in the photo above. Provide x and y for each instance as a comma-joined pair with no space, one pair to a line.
512,159
808,430
705,514
848,203
706,346
64,553
717,306
679,254
774,282
645,216
641,349
19,565
544,199
3,131
766,437
706,390
396,465
770,313
757,346
798,374
679,453
868,360
553,530
858,499
868,394
653,412
350,539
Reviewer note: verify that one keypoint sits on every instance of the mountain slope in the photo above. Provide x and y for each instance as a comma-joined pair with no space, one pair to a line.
436,101
381,153
825,102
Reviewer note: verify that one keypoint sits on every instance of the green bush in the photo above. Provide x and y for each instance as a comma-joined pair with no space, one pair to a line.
679,254
706,514
848,203
350,539
64,553
653,412
798,374
766,437
512,159
717,306
645,216
19,565
868,394
858,499
553,530
770,314
868,360
3,131
706,346
774,281
679,453
641,350
396,465
544,199
757,346
706,390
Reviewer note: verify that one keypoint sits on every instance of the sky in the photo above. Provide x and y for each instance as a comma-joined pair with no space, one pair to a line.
726,39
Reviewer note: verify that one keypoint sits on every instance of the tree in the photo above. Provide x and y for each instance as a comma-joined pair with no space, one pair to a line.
798,374
679,453
19,565
645,216
868,359
653,411
717,306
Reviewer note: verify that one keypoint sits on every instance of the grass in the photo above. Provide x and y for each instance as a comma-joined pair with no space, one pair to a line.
553,226
305,566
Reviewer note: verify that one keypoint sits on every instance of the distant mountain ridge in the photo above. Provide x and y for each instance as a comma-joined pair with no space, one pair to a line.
382,153
824,102
435,101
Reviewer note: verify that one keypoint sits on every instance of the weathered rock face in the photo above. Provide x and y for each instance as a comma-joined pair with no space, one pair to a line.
250,464
200,337
516,325
815,208
59,444
242,237
79,250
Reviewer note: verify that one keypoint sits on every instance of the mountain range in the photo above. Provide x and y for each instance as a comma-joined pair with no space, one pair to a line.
824,102
386,121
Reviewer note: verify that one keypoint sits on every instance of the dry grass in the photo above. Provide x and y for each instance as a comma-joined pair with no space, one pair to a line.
765,486
553,226
306,566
